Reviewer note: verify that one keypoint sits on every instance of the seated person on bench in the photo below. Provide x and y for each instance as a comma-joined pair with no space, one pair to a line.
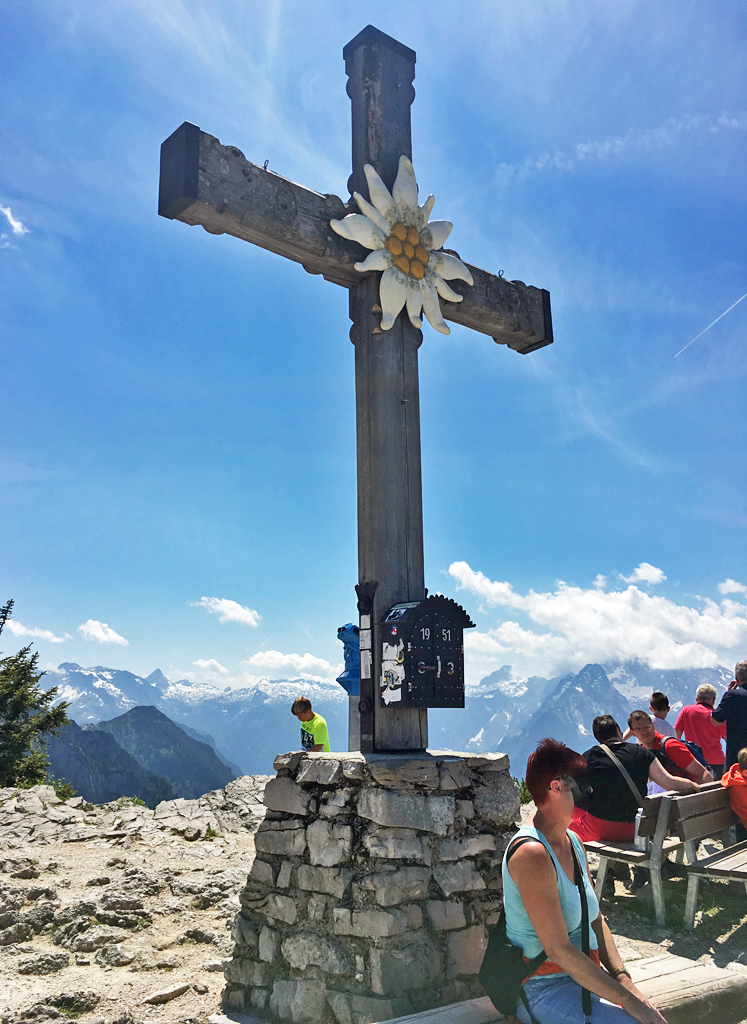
735,781
610,808
674,755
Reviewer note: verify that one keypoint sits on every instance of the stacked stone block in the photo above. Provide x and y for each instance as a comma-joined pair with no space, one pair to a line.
375,880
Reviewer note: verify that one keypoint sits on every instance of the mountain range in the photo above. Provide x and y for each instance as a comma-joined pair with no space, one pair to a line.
247,727
141,753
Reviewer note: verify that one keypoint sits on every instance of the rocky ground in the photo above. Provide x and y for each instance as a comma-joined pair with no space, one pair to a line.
119,914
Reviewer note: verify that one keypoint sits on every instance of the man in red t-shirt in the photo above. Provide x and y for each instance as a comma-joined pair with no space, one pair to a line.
695,721
677,753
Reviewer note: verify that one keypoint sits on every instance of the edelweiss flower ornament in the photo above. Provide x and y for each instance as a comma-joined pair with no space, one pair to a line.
406,247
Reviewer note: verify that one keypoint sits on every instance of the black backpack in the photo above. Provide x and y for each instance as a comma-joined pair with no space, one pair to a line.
695,749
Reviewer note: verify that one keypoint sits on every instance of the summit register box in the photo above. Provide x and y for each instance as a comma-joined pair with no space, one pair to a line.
422,654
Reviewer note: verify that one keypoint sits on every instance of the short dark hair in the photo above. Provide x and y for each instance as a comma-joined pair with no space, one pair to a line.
636,716
659,701
740,673
300,706
605,728
742,759
549,761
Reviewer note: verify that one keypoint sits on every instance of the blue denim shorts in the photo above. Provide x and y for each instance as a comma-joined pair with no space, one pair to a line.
556,999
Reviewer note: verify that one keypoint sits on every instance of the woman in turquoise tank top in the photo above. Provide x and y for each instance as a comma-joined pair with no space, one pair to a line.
543,909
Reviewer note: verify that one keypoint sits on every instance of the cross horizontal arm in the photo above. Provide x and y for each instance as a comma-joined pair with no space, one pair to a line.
204,182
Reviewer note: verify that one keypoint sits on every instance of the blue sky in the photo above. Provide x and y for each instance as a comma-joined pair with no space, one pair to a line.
178,457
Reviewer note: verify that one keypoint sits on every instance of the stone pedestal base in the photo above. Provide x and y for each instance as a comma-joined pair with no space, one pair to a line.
375,879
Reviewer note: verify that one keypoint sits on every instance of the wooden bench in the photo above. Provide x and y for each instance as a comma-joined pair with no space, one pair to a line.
697,816
676,823
684,991
655,826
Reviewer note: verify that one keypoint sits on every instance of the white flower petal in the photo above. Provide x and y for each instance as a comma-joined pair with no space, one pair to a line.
359,229
440,231
405,190
372,213
380,195
444,290
380,259
414,303
432,307
449,267
424,211
392,295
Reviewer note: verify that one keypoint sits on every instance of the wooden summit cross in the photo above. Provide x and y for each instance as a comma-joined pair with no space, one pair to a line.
204,182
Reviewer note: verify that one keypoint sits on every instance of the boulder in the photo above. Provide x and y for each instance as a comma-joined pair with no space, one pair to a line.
114,955
15,933
47,963
95,937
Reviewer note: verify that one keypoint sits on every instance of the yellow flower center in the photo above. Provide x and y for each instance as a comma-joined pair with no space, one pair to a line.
408,251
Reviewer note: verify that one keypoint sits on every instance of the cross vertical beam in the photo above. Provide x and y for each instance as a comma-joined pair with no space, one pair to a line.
390,504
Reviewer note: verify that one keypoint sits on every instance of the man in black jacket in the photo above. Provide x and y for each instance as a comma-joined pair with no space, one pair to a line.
733,711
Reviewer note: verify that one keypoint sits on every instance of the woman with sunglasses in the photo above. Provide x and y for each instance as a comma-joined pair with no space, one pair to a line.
542,902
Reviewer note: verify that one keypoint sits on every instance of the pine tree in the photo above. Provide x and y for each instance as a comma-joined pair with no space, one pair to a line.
27,715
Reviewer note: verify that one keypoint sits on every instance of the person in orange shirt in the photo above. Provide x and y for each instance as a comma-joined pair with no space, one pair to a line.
735,780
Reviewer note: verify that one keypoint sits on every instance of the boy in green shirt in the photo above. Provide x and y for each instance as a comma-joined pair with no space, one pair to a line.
314,735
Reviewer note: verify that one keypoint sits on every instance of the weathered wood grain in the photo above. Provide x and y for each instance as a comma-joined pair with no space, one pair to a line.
204,182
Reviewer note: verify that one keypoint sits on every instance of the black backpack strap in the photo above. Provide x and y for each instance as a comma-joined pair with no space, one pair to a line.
534,963
579,880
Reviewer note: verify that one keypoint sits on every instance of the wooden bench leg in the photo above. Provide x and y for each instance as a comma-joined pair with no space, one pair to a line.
691,901
657,891
679,855
601,876
691,851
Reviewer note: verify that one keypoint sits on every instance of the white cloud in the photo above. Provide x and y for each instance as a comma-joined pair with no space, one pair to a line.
229,611
99,631
645,573
600,581
308,666
732,587
631,144
579,625
16,226
43,634
211,666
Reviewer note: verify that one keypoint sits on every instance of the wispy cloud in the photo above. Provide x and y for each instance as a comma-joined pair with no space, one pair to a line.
15,627
632,143
308,666
229,611
16,226
579,625
101,632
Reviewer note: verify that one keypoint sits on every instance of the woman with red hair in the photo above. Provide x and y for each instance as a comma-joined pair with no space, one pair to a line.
542,903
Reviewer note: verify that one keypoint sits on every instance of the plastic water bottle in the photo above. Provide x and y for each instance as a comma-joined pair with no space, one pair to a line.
640,842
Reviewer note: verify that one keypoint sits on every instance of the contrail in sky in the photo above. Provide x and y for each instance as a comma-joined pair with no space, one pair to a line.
711,325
